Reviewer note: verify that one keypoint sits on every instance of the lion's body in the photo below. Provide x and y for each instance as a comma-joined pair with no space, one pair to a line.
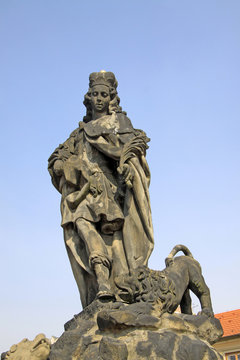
169,287
186,274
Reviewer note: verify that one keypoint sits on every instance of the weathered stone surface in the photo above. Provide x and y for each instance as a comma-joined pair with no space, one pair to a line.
134,315
110,348
38,349
129,332
206,328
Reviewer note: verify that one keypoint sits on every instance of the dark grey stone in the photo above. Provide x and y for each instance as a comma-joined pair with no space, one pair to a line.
112,349
103,329
191,349
157,345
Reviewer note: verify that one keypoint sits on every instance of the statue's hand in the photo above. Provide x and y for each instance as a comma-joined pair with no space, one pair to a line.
58,167
127,173
95,186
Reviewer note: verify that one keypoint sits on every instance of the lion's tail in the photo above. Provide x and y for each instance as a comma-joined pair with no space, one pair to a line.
174,251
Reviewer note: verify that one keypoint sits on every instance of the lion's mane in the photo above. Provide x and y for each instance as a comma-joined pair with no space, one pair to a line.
149,285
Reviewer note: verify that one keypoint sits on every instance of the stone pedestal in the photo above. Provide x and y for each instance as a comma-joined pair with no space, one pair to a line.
105,331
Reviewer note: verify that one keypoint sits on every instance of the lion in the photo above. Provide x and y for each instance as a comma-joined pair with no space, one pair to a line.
38,349
169,288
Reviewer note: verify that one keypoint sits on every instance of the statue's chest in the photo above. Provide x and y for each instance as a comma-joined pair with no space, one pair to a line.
90,157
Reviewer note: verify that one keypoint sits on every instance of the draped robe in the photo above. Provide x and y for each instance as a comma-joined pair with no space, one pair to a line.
92,189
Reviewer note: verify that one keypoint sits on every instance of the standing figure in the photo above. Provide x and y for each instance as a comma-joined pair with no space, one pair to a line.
103,176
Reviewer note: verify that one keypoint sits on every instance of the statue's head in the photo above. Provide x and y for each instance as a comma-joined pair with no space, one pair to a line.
38,349
102,95
146,285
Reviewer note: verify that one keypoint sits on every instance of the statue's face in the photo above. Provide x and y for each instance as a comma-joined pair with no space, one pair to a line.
100,98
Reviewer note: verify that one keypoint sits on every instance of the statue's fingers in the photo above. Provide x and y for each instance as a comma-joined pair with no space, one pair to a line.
129,184
125,169
129,177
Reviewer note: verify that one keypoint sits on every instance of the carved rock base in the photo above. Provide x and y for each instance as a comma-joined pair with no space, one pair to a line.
132,332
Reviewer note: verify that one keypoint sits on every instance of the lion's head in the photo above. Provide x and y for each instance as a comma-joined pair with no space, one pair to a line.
146,285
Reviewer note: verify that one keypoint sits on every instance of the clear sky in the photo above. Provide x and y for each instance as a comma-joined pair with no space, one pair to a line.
177,64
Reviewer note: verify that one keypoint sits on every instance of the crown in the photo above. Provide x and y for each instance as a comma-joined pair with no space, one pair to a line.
103,77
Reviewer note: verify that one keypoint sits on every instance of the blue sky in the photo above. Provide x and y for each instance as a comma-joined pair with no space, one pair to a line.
177,64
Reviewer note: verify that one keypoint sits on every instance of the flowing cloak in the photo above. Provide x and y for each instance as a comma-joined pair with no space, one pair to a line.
92,189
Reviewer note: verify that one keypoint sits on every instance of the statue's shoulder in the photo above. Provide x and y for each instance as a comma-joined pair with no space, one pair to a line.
69,143
74,134
124,123
65,149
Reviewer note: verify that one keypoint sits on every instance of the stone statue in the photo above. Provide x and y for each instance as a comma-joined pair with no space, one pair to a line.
103,176
129,310
37,349
168,289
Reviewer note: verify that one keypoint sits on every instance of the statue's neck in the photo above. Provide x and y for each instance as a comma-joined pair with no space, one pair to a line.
98,115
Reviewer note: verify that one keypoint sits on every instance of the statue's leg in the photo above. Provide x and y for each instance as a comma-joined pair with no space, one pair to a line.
98,256
186,303
85,280
200,289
